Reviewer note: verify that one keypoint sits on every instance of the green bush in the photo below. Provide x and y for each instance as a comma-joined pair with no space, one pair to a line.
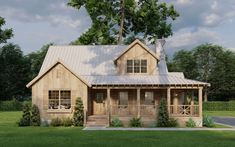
67,122
219,106
12,105
208,121
135,122
55,122
35,117
163,116
25,120
173,123
78,115
190,123
44,123
116,122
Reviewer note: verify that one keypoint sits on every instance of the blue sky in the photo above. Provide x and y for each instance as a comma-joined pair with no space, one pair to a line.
37,22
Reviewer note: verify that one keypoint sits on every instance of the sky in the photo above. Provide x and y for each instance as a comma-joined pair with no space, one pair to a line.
38,22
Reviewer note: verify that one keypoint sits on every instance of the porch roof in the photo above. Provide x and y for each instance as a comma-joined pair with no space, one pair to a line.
159,80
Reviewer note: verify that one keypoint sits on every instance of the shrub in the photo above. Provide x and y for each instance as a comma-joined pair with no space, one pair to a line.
208,121
25,120
135,122
190,123
173,123
44,123
55,122
78,115
35,117
12,105
67,122
219,106
163,116
116,122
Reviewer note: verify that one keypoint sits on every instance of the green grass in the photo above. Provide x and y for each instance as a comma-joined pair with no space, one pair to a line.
220,113
220,126
11,135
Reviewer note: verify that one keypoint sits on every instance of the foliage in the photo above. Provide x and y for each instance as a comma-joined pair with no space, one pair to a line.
135,122
36,58
190,123
67,122
11,136
173,123
114,20
5,34
208,121
12,105
209,63
116,122
25,120
56,122
78,115
35,116
163,116
219,106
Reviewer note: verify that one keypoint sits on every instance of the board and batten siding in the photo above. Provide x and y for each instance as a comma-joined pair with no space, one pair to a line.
58,78
137,52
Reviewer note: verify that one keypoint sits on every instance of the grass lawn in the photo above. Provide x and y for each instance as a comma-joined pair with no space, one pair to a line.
11,135
220,113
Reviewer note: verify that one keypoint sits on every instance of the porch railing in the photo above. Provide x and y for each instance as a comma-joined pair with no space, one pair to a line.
184,110
132,110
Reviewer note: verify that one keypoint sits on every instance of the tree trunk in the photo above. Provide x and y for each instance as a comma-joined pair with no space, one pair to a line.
122,8
205,94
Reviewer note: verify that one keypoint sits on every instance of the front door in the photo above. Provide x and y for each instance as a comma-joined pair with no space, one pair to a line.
99,104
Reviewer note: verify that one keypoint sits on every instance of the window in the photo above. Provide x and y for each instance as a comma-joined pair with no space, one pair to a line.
123,98
99,97
148,98
59,99
136,66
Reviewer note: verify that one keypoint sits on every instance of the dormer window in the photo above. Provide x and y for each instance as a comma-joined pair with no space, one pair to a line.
136,66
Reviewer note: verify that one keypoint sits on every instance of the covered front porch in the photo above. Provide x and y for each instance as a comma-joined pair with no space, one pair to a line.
126,102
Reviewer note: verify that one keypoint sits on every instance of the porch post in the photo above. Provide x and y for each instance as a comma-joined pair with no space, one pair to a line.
200,101
138,102
168,99
109,105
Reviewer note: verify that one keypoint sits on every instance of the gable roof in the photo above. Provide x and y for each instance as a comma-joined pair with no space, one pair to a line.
93,65
52,66
142,45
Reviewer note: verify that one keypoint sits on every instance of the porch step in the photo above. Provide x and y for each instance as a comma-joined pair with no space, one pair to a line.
97,121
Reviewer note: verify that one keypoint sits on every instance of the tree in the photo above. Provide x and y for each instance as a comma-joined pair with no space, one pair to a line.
115,21
36,60
163,115
6,33
35,117
14,72
78,115
183,61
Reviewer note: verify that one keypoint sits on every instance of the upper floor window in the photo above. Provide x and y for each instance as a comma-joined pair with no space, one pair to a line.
136,66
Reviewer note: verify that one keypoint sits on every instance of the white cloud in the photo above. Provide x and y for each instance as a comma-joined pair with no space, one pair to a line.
188,38
212,19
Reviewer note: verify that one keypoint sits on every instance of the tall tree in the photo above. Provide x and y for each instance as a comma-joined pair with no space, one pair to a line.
14,72
5,34
120,20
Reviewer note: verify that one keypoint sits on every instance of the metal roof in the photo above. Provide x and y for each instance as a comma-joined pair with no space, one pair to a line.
94,64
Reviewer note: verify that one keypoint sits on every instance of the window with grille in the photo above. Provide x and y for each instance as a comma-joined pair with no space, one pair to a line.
148,98
123,98
59,99
136,66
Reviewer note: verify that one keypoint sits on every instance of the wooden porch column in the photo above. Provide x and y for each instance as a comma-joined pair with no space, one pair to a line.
138,102
108,105
168,99
200,100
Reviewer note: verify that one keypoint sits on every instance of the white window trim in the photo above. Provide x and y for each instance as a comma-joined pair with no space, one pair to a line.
59,109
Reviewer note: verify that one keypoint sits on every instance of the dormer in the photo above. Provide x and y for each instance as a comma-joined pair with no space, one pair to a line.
137,59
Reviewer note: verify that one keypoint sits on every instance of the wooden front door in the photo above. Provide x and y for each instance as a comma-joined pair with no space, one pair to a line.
99,104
